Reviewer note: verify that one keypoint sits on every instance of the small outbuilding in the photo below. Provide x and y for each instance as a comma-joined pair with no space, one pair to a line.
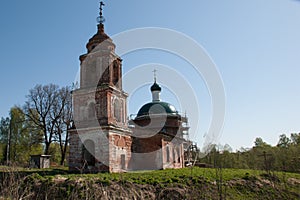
40,161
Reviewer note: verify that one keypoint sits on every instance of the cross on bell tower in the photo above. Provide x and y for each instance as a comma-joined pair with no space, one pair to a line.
101,19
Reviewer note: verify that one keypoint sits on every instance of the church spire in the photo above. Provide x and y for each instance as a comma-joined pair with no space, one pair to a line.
100,36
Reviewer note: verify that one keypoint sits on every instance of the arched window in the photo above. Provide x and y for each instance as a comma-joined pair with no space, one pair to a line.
88,152
117,110
116,73
174,155
123,161
91,111
104,79
178,154
168,153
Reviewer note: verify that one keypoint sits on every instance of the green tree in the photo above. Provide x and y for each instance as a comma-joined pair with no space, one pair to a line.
24,140
284,141
295,138
283,153
295,152
4,128
17,133
259,142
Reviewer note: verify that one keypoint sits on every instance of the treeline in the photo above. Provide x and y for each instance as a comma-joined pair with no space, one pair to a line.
285,156
41,126
38,127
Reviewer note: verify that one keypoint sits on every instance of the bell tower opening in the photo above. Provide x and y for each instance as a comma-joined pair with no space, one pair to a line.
88,152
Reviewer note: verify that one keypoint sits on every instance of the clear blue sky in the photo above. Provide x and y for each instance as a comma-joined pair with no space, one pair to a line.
255,45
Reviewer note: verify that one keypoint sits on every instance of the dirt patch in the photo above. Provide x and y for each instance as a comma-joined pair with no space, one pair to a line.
294,181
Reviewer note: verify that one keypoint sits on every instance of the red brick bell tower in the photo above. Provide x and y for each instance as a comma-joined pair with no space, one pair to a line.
101,139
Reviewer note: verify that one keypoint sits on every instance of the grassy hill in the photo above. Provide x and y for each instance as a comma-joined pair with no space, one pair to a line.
188,183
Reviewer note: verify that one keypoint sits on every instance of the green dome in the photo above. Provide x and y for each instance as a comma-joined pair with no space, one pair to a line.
157,108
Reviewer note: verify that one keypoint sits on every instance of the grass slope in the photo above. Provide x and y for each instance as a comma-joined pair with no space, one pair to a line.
188,183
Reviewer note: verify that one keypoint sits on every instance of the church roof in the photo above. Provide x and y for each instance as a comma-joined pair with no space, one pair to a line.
98,38
159,107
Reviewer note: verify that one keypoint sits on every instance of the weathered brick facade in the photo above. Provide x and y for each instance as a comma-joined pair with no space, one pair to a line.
157,146
101,140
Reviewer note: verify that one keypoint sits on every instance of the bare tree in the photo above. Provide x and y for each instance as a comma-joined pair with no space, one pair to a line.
48,107
63,107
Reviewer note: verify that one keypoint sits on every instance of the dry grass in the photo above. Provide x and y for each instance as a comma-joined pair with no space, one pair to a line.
16,183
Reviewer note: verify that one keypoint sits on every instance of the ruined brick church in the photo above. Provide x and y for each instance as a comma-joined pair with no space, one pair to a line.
103,139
